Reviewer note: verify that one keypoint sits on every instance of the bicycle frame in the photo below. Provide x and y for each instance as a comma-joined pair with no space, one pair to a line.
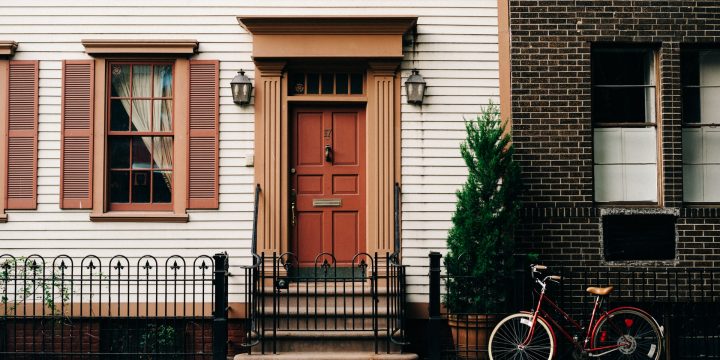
585,346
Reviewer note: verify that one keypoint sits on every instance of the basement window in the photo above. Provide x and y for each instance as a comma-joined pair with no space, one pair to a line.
624,125
639,237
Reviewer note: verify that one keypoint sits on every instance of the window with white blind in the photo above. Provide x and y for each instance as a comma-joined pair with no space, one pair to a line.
700,79
624,125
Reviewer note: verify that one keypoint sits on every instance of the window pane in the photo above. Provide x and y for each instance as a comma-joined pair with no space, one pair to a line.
341,83
120,83
141,186
641,182
141,152
296,84
141,81
356,83
710,105
689,68
691,105
162,152
620,67
711,190
313,83
119,189
709,68
608,183
119,152
162,186
693,176
119,118
162,83
162,115
327,83
141,115
615,105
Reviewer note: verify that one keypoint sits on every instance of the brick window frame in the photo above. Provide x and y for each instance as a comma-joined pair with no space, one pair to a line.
194,106
700,130
612,139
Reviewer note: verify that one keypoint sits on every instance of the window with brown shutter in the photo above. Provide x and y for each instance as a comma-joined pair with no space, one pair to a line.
154,132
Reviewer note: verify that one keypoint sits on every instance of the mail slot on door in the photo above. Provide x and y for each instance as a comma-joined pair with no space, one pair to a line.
327,202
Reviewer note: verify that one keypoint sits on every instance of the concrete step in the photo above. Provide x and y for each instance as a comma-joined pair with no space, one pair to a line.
342,324
329,356
326,341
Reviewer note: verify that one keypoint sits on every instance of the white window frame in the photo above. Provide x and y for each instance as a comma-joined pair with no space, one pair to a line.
625,151
701,139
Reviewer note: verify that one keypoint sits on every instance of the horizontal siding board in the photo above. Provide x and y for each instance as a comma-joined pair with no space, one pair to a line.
456,51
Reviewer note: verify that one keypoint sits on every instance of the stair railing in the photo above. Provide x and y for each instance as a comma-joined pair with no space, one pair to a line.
253,286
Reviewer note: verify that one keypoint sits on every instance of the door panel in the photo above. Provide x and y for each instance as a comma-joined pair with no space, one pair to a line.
310,139
328,168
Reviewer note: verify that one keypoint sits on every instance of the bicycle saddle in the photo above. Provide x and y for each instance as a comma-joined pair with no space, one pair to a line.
601,291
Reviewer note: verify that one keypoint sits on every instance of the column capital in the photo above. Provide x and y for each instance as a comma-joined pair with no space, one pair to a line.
270,68
384,68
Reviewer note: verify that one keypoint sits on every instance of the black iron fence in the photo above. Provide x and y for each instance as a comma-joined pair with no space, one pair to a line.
284,301
685,302
116,308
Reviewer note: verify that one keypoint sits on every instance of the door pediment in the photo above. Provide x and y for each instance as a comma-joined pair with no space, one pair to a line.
282,37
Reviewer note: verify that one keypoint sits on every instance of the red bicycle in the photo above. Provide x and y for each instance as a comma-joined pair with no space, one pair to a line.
620,333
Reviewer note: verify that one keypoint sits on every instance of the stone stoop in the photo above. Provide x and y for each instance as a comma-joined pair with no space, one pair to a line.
325,321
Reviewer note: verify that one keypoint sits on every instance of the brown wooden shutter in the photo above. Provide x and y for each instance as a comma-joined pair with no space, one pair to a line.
22,135
204,135
77,135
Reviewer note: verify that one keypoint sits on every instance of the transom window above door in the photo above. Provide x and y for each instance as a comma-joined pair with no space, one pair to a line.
140,136
325,83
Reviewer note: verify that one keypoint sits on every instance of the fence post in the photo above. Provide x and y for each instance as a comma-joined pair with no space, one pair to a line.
435,320
220,321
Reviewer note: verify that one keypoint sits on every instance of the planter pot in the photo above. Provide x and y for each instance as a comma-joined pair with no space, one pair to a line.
471,333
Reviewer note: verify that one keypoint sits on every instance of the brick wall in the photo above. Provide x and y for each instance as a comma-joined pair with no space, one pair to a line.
551,84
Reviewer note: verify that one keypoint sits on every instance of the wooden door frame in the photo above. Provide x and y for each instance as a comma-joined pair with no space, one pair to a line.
273,48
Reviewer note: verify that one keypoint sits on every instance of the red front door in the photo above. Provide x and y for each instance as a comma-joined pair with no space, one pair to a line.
328,183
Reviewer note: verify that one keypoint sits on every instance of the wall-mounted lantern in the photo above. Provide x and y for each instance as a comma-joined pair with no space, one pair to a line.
241,87
415,88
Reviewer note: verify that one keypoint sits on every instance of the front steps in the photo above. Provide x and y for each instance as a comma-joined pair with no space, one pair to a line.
315,320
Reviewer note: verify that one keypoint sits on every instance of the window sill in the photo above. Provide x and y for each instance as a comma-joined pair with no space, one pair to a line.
705,205
628,204
137,216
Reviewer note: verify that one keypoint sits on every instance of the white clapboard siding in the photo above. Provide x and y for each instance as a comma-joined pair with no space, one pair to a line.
456,52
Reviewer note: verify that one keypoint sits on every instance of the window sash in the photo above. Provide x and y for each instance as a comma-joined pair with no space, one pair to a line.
620,158
150,132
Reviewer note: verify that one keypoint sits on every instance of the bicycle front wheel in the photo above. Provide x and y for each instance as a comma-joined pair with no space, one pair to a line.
634,332
507,339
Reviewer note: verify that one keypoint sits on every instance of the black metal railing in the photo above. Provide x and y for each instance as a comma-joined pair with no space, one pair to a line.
113,308
364,297
685,302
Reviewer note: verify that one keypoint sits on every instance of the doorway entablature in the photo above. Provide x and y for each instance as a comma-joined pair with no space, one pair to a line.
377,42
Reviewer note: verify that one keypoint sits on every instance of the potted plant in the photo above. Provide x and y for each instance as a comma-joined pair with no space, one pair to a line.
480,243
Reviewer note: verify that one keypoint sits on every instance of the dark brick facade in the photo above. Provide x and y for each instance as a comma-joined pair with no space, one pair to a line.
551,90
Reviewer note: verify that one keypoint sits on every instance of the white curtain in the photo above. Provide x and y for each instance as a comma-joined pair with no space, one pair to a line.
142,80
